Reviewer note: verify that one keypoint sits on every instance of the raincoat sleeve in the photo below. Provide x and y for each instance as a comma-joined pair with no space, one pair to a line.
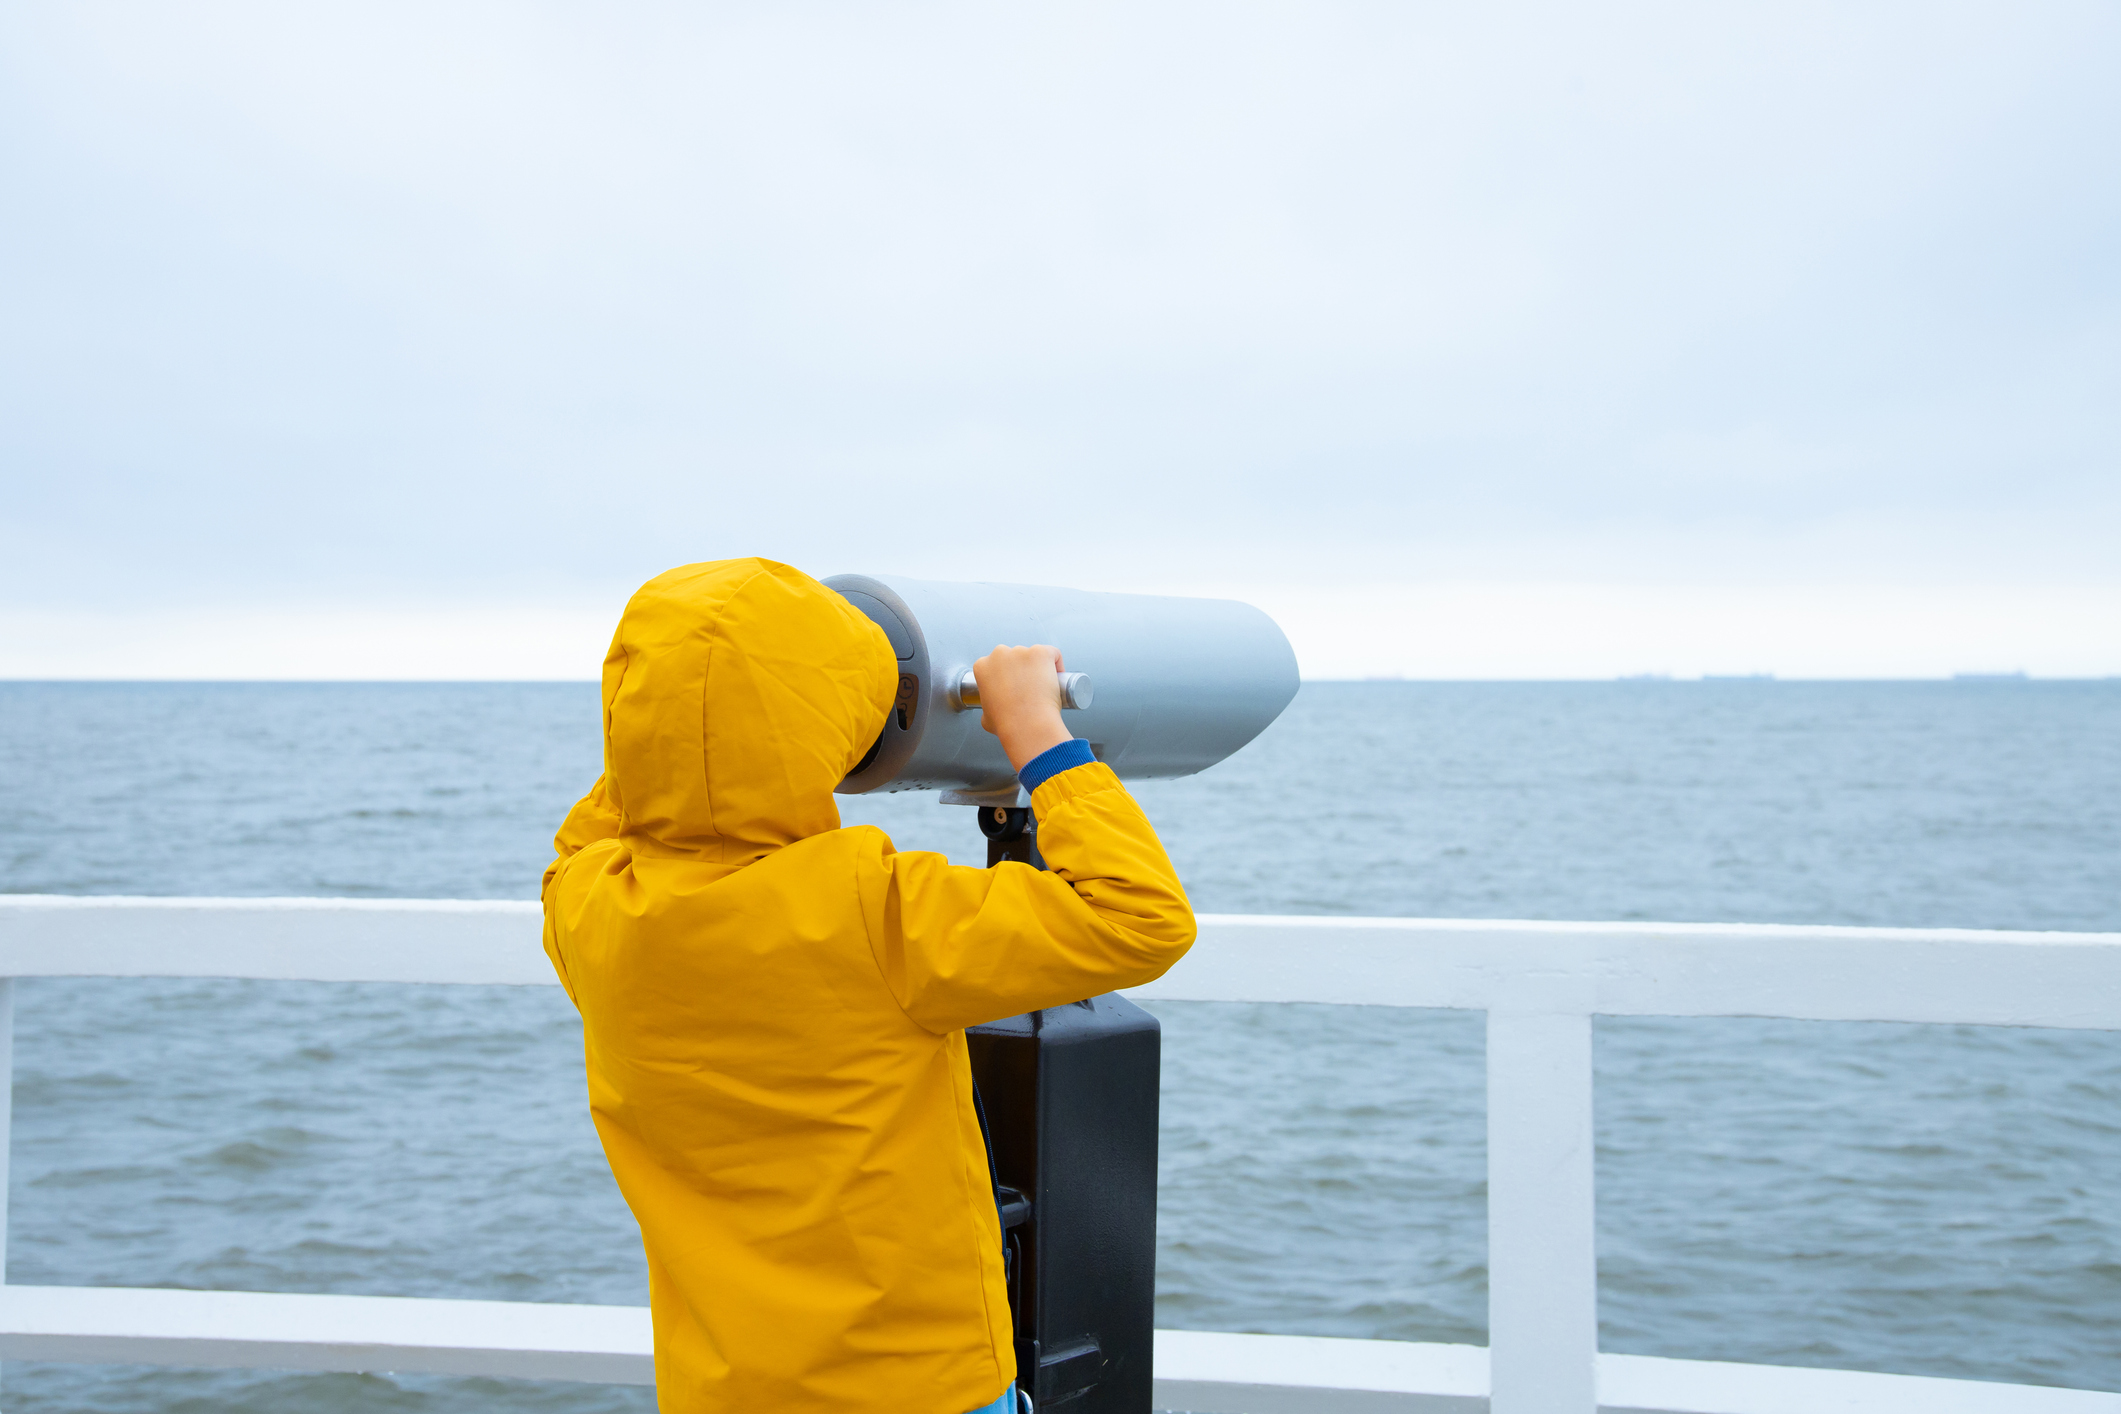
594,817
961,946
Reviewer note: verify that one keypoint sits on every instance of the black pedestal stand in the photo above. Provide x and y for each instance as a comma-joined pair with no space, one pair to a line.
1070,1096
1012,833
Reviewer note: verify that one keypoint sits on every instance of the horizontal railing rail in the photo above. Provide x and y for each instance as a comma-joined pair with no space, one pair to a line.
1805,971
1539,983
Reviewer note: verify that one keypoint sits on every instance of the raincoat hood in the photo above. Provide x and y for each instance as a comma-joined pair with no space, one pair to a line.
737,694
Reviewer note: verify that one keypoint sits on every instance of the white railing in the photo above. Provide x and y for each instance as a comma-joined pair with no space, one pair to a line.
1539,983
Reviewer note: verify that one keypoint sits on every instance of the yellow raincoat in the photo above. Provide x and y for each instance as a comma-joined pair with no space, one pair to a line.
773,1006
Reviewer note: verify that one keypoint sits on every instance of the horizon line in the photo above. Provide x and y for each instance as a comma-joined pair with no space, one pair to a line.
1637,679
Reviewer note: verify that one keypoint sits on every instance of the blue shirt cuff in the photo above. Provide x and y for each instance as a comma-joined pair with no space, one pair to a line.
1052,761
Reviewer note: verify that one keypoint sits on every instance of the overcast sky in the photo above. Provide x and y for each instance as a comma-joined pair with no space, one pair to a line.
1471,340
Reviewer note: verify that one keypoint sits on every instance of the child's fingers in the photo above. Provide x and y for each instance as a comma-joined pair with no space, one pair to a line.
1019,693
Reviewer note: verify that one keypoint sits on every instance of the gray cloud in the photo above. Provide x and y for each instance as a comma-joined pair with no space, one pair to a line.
512,303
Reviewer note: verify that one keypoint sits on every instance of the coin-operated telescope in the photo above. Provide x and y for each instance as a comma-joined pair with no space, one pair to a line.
1158,686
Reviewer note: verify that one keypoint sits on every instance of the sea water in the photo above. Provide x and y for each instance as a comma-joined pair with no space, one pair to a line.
1924,1199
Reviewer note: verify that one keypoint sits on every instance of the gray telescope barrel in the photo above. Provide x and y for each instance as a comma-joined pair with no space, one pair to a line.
1075,691
1181,683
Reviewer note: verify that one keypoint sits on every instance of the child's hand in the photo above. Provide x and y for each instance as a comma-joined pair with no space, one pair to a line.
1020,699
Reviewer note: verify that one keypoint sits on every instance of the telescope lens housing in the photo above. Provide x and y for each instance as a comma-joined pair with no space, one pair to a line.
1179,683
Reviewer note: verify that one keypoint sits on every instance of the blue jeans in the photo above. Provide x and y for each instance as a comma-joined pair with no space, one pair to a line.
1007,1403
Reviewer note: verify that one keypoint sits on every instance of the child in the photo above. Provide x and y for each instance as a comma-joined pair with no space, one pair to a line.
773,1007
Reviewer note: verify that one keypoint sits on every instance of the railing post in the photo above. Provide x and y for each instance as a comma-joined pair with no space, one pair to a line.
1542,1217
7,1106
